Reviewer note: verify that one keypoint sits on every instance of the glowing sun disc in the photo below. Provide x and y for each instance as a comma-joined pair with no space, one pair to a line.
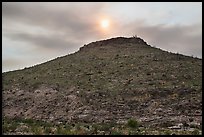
104,23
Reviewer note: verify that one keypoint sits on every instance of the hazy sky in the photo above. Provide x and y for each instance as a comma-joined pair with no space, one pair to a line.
33,33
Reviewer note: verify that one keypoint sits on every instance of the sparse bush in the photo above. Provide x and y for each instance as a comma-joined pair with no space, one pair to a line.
196,132
132,123
61,131
36,85
167,132
5,128
116,132
37,130
48,130
135,36
28,121
167,124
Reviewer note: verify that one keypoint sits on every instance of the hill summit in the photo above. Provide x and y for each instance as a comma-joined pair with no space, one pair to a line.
109,81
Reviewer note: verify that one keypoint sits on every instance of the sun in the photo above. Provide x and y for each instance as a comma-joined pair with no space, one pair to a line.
105,23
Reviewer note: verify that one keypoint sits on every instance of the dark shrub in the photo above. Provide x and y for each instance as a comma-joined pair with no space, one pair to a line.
132,123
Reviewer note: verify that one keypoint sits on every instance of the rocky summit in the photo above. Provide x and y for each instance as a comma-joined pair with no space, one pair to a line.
109,81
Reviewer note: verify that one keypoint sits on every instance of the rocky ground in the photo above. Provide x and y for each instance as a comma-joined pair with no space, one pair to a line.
165,110
110,81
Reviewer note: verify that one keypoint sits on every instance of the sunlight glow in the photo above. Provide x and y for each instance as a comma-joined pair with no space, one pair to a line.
105,23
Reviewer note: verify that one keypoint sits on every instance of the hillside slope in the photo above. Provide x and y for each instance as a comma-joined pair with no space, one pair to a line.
109,81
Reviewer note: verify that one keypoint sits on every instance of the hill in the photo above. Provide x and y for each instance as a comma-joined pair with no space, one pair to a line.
109,81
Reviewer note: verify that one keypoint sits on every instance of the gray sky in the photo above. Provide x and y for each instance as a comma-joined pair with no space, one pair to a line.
33,33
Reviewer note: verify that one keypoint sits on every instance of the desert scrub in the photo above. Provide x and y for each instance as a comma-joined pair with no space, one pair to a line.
114,132
45,128
196,132
9,125
132,123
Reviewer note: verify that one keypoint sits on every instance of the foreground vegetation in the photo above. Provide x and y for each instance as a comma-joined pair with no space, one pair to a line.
132,127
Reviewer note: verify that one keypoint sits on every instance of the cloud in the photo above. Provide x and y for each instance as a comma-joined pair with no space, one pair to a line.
185,39
13,63
49,42
64,20
176,38
60,26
